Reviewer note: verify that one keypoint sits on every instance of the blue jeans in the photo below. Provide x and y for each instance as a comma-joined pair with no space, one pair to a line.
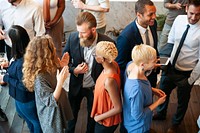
28,112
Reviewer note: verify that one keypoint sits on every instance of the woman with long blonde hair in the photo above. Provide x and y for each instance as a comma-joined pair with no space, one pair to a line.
41,74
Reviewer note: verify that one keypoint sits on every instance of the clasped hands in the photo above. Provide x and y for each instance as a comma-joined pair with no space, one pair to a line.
81,68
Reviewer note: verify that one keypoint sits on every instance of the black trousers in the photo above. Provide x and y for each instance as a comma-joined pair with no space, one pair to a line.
2,46
75,102
5,48
103,129
169,80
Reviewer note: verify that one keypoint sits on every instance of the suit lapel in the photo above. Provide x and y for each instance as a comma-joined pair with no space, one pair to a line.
81,52
137,32
153,32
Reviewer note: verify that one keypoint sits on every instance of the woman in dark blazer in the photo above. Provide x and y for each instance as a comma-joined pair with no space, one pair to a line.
24,100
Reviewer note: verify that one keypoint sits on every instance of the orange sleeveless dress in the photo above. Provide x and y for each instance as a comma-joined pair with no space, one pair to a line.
102,102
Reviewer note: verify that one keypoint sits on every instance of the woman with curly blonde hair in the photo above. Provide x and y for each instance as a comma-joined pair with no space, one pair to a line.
107,105
40,67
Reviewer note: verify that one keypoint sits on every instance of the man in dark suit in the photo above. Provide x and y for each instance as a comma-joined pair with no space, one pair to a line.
135,34
83,67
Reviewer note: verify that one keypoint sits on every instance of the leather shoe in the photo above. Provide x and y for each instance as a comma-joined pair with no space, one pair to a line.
159,117
3,116
173,129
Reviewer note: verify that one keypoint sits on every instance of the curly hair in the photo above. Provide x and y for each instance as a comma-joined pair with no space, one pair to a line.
40,57
107,50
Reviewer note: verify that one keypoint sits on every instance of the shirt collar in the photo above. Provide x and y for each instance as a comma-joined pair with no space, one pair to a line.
194,25
141,29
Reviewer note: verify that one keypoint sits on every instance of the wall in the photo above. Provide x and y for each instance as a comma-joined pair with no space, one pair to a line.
120,14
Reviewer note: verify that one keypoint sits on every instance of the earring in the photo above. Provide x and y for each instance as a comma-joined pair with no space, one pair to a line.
142,68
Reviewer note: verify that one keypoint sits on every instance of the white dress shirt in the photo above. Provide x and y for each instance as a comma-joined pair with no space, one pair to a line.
189,55
89,59
142,31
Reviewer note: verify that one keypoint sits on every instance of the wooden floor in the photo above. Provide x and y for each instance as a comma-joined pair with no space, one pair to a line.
189,124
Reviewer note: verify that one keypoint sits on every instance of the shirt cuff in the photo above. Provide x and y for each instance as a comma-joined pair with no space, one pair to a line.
6,78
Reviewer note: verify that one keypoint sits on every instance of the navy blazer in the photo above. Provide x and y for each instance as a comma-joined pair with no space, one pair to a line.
16,88
130,37
77,57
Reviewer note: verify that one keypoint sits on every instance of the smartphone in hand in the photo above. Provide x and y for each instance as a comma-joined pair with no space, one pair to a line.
164,60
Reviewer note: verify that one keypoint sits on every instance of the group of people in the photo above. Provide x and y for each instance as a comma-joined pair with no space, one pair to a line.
39,17
117,78
181,45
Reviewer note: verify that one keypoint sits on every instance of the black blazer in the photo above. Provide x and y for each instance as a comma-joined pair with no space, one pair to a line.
77,57
130,37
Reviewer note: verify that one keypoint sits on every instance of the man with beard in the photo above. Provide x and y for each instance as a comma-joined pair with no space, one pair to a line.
143,30
25,13
183,48
83,67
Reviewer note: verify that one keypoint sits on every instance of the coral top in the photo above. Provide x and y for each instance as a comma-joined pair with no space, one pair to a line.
102,102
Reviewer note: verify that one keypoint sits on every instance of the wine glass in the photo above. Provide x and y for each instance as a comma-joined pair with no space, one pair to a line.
3,61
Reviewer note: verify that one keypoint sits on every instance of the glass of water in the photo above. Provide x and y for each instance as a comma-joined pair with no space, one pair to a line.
3,57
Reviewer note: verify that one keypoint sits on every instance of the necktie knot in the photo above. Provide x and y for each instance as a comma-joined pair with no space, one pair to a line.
188,26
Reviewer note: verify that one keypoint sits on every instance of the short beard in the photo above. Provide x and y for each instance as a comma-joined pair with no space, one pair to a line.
87,42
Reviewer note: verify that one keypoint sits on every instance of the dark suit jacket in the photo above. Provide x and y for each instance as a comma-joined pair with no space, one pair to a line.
77,57
130,37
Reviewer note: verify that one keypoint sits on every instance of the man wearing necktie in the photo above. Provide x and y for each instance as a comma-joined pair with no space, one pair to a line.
141,31
183,70
135,34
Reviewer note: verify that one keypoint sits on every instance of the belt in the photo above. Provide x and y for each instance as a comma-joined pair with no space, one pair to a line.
171,68
187,73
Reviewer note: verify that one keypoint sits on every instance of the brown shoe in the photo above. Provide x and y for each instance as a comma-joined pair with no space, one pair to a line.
173,129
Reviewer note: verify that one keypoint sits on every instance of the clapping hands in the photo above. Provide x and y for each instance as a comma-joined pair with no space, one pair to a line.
65,60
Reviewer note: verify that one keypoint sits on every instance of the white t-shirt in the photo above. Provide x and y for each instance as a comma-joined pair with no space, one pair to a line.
100,16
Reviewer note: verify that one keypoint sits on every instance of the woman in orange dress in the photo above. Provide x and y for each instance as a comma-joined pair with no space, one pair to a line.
107,105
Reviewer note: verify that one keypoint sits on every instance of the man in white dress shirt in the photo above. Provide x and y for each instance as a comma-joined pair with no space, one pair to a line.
183,71
25,13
